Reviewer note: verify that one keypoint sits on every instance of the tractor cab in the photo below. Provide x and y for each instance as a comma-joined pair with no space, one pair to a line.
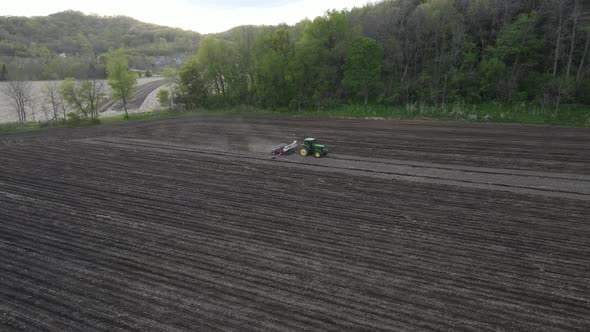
309,142
311,148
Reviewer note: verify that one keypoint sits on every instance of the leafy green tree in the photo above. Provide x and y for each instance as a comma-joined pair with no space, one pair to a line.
170,75
57,69
515,58
443,37
224,70
192,90
493,72
245,85
84,97
172,80
216,57
362,71
73,96
84,46
164,98
121,80
274,83
319,58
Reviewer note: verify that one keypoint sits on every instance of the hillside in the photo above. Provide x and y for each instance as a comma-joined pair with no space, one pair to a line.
400,53
70,39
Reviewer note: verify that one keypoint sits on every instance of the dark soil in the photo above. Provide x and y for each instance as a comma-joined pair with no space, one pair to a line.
187,224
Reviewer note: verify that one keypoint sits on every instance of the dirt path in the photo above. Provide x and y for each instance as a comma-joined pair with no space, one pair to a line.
39,102
187,224
140,94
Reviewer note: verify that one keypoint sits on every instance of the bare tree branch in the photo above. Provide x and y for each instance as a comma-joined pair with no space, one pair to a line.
20,96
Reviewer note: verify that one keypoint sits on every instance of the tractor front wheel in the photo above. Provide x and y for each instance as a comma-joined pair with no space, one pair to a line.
317,154
304,152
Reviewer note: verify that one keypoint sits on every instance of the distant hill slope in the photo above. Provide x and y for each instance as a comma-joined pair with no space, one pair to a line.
70,43
74,33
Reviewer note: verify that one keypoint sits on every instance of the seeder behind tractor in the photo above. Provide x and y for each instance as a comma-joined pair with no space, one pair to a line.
284,148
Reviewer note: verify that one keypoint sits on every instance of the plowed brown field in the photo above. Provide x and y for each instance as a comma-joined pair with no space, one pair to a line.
188,224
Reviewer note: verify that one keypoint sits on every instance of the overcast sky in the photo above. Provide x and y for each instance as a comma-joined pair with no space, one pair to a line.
204,16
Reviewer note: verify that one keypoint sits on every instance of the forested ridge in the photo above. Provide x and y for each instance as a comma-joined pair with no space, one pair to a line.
397,52
68,43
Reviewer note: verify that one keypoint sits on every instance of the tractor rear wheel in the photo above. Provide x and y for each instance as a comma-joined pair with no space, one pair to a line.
317,154
304,152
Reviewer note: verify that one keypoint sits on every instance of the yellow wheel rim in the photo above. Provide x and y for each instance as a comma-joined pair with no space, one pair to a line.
317,154
303,152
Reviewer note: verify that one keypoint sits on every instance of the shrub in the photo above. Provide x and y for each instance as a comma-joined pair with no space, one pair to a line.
164,98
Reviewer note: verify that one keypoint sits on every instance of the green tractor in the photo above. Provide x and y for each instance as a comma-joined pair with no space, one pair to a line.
311,148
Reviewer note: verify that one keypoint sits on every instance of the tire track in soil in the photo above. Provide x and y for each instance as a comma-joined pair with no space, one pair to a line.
542,148
541,185
104,237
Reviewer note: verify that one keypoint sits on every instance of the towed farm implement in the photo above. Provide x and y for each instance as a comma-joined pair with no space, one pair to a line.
284,148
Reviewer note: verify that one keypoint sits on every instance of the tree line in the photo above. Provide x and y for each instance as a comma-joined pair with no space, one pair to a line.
74,99
398,52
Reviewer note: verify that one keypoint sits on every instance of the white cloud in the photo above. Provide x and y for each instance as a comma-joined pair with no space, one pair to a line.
203,16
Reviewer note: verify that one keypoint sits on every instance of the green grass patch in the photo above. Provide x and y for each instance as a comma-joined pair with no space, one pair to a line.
146,116
16,127
568,115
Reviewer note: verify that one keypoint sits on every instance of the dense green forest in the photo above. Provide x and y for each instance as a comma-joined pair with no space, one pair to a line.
71,44
398,52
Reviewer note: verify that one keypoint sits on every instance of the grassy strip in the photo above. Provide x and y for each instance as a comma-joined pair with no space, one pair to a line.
149,116
15,127
567,115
